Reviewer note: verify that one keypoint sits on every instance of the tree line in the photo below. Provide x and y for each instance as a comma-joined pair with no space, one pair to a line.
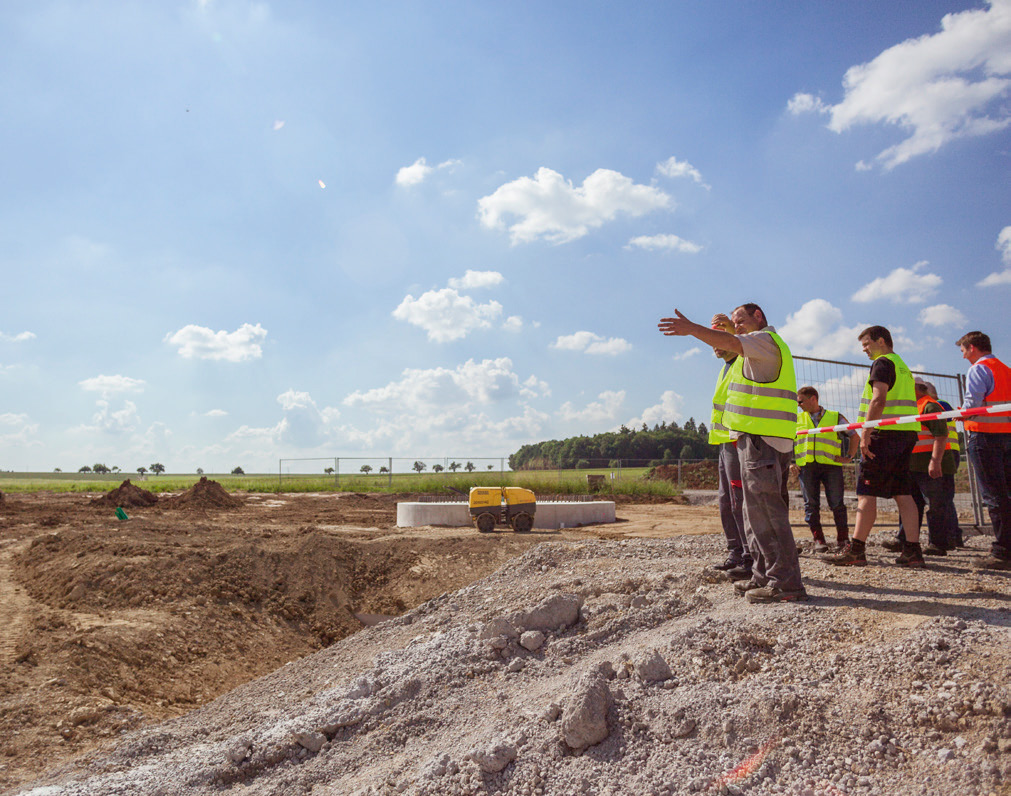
665,442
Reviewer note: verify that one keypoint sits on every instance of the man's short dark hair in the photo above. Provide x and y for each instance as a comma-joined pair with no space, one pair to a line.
751,308
978,339
808,392
877,333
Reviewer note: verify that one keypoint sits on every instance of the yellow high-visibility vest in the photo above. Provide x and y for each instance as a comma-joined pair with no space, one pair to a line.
719,433
900,401
766,409
821,448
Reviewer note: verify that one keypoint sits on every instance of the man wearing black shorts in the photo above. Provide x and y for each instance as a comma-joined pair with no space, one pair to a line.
885,451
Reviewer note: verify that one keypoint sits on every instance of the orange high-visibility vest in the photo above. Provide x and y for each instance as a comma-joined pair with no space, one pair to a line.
1001,394
924,439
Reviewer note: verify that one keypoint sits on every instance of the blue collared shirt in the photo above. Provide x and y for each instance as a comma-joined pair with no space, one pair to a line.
979,383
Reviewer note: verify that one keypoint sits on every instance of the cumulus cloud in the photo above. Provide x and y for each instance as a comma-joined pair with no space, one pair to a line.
664,243
419,171
672,167
603,410
937,88
20,337
107,420
17,429
446,315
667,411
817,330
590,343
901,286
513,323
472,280
942,315
111,385
216,413
535,388
806,103
1003,245
548,206
488,381
691,352
199,342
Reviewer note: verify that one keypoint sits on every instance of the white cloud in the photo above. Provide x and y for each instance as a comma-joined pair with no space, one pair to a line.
199,342
110,385
488,381
817,330
476,279
548,206
446,315
17,429
216,413
666,242
20,337
590,343
667,411
305,425
535,388
937,88
901,286
1003,245
672,167
942,315
691,352
513,323
806,103
114,421
604,410
419,171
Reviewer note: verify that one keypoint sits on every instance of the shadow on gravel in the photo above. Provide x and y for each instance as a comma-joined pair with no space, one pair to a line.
929,604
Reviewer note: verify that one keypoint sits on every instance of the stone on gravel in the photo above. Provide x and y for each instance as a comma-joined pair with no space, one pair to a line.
532,640
554,613
652,668
584,717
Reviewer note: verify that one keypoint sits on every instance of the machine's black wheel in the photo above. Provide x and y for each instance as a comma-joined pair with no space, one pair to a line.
486,522
522,522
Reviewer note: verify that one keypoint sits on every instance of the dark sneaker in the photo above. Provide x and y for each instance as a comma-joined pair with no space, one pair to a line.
742,587
992,562
730,563
911,557
852,555
820,546
771,594
740,573
934,550
892,545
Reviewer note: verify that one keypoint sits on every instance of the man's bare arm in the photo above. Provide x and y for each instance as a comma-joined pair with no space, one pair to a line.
683,327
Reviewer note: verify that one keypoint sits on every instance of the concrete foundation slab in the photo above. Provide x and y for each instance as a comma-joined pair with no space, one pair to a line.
549,516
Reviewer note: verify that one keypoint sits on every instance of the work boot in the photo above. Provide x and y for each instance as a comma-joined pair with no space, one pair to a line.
742,587
892,545
841,542
730,563
991,562
934,550
852,555
820,545
772,594
743,572
912,556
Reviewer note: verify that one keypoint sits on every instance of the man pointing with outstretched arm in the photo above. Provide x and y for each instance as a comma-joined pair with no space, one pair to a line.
761,413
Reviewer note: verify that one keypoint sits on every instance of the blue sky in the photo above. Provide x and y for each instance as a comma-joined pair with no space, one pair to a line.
237,231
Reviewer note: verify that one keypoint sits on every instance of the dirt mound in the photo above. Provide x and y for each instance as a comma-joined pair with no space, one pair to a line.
126,494
205,494
690,475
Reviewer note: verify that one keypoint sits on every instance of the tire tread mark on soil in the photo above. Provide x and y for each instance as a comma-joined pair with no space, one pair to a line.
15,608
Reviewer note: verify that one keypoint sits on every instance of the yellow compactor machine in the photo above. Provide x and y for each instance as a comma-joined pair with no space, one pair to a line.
502,505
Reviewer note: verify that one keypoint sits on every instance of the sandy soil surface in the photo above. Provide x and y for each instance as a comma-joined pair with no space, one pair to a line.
642,673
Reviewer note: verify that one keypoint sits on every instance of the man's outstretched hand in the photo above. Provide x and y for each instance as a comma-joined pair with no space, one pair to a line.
679,326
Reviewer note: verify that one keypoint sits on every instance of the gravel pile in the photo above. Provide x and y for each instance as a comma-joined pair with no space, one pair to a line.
617,668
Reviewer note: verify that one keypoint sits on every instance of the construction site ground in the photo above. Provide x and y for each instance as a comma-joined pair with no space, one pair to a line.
107,625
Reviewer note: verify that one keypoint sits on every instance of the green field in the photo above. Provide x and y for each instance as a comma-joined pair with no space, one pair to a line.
631,482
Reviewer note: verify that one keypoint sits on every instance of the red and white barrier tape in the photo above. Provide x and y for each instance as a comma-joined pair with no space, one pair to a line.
954,414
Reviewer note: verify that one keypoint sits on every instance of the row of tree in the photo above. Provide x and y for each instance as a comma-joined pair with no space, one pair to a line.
157,468
662,443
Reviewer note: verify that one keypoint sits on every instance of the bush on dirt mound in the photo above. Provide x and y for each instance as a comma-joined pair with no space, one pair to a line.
205,494
126,494
691,475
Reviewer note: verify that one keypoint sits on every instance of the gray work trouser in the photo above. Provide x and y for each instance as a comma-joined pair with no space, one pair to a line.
732,502
767,514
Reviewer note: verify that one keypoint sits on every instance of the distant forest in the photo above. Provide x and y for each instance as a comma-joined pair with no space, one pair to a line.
663,443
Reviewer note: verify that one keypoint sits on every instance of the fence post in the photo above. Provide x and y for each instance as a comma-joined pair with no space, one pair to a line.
335,470
389,480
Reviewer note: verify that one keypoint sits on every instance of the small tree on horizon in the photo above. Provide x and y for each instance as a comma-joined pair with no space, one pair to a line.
470,467
238,471
142,470
438,468
454,466
384,469
419,466
84,469
200,471
366,468
157,468
328,471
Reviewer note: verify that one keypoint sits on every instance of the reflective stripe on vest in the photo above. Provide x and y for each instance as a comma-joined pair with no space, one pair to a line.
1001,394
766,409
719,433
924,439
821,448
953,443
900,401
